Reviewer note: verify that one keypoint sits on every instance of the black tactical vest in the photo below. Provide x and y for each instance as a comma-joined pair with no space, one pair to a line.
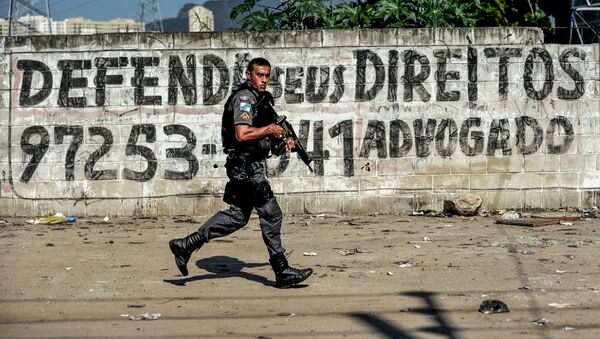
258,148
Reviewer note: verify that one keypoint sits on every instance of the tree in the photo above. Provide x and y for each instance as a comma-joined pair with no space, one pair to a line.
314,14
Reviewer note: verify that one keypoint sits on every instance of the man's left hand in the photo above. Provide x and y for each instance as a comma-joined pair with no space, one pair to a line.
289,144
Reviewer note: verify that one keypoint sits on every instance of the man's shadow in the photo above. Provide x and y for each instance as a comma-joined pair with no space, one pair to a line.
223,267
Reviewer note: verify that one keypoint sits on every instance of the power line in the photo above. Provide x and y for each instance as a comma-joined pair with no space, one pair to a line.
75,7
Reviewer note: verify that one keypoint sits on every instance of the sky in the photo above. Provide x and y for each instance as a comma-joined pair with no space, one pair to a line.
101,9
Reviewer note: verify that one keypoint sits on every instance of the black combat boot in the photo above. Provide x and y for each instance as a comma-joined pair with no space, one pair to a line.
286,276
182,249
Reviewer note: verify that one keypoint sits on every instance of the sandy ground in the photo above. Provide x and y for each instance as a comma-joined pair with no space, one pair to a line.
88,278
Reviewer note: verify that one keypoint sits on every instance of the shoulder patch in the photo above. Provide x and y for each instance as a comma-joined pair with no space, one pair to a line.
245,116
246,107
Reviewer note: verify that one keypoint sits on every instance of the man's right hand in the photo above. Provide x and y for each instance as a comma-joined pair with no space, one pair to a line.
276,130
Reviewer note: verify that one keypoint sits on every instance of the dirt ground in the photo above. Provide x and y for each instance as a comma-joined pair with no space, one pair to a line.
91,278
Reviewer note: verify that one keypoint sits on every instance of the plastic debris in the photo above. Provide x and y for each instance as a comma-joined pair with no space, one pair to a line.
417,246
55,219
559,271
493,306
568,328
403,264
144,316
310,254
426,239
2,221
527,252
106,219
390,273
542,321
510,215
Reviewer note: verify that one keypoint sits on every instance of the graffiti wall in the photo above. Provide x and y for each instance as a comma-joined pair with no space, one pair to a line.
393,120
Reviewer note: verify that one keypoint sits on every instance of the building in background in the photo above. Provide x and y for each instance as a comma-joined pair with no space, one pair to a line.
222,11
82,25
201,19
38,25
32,24
3,27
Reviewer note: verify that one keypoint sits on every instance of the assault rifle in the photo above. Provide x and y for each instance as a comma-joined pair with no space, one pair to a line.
266,103
288,131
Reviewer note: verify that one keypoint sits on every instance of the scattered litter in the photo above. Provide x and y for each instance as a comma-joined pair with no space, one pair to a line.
448,225
568,328
559,271
136,305
352,251
310,254
106,219
510,215
493,306
561,305
593,290
525,251
55,219
2,221
417,246
68,268
145,316
542,321
403,264
285,314
390,273
525,288
426,239
570,256
566,223
417,213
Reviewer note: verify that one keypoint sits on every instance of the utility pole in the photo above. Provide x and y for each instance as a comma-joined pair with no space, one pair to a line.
148,9
21,8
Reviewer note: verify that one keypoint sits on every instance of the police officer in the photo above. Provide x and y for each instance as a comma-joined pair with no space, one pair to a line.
246,131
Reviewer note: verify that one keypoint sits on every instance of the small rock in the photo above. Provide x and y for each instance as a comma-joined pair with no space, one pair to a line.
464,204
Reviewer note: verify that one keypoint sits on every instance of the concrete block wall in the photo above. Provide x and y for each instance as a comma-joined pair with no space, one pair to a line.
395,120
